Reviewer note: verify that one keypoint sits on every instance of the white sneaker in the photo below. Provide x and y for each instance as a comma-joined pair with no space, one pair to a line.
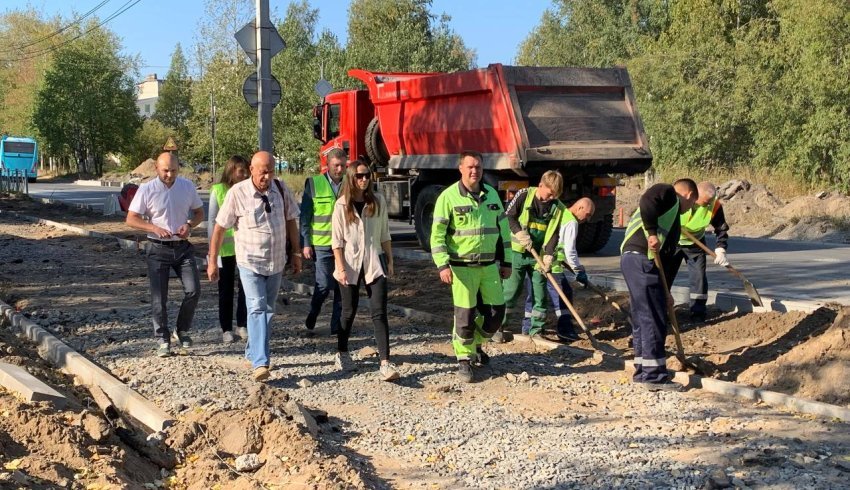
227,337
343,362
242,333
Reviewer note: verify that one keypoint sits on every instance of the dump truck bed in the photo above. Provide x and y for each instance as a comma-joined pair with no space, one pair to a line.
519,117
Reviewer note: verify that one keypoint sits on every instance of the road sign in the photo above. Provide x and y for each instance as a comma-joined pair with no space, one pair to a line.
249,91
169,145
247,39
323,87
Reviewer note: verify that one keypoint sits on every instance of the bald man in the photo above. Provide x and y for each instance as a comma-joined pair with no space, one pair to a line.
172,208
264,216
706,211
566,255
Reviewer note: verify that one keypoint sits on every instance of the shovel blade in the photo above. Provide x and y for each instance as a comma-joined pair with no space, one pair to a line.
755,298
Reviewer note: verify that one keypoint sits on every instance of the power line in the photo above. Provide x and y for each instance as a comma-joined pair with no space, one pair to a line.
123,8
60,30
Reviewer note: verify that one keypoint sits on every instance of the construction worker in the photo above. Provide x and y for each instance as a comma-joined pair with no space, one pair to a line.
567,255
706,211
317,205
470,244
653,229
533,216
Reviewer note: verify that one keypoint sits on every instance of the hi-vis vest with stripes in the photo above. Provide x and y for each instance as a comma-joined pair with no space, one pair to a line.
665,223
323,207
560,256
697,219
536,228
228,248
467,231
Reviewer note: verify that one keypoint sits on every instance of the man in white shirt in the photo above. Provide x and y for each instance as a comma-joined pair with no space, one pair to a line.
172,207
263,215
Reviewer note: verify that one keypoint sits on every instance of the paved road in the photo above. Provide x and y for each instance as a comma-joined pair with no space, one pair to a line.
778,268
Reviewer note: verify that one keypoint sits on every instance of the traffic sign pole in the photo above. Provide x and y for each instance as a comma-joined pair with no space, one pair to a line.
264,75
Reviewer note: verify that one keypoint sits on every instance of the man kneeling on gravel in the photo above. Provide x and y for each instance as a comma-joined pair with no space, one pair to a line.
263,215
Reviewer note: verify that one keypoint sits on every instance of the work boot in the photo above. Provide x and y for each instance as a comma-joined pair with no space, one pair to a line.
164,350
667,385
464,371
499,337
483,358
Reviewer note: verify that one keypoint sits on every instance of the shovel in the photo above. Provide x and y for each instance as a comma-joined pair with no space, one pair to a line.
604,348
755,298
607,299
671,312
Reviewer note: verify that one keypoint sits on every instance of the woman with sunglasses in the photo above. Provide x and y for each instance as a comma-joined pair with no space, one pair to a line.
360,239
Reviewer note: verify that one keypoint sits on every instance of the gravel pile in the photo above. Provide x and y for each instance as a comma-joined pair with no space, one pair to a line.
532,420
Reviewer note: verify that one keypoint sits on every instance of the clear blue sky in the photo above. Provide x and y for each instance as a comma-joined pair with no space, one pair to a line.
151,28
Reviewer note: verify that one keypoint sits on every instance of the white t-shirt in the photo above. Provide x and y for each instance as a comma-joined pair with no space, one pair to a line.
166,207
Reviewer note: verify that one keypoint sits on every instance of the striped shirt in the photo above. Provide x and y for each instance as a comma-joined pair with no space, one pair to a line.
260,236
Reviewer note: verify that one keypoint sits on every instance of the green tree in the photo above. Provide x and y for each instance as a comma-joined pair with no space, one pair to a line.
87,104
403,35
147,143
174,109
21,70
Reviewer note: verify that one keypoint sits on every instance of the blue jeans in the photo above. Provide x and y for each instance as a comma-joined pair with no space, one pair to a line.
325,285
162,259
260,295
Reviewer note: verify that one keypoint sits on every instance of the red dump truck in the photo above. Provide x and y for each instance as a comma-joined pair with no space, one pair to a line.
524,120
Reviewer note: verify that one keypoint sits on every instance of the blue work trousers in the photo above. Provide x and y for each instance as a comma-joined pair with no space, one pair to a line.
648,301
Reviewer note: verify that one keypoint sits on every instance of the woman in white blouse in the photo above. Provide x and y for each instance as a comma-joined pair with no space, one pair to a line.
360,239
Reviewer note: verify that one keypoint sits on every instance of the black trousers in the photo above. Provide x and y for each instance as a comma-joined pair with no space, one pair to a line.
227,282
162,259
377,293
694,257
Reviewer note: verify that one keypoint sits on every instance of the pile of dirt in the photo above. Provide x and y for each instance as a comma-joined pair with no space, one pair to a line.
211,444
816,369
146,169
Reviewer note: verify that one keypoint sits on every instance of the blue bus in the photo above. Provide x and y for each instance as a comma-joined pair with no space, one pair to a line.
19,155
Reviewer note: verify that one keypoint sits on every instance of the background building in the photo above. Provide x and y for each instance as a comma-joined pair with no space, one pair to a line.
147,95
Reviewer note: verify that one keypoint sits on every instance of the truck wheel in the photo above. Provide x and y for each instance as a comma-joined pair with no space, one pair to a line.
375,147
592,237
424,214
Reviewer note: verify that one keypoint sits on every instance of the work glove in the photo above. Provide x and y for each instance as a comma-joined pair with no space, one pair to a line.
547,264
581,277
524,239
720,257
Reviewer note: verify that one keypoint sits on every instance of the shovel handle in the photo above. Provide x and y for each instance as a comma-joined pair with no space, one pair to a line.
564,298
698,243
671,311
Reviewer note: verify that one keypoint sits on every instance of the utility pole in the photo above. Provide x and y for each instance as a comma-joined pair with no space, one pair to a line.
264,74
212,129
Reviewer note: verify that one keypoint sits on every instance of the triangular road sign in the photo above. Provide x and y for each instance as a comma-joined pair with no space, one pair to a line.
169,145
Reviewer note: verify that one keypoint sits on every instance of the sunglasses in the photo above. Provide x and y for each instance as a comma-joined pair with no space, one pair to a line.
266,204
363,176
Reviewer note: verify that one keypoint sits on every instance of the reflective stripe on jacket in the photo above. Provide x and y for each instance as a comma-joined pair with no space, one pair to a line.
468,228
665,224
540,230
